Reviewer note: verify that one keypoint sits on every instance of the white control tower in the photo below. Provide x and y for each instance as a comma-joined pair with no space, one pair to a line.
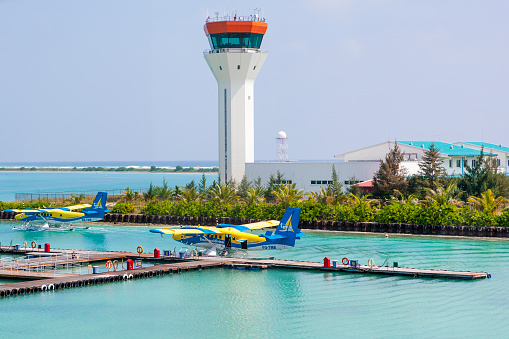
235,59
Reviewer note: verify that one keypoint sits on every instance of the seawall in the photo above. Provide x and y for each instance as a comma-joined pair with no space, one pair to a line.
373,227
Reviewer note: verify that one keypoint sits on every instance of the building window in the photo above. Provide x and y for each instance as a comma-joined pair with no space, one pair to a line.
238,66
235,40
254,68
220,68
474,162
458,163
321,182
498,162
450,163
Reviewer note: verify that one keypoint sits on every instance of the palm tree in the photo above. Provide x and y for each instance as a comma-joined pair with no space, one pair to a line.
224,194
288,194
150,193
76,199
129,194
255,196
324,196
363,202
189,194
443,196
487,202
412,199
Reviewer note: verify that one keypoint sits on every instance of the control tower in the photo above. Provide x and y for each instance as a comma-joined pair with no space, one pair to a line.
235,59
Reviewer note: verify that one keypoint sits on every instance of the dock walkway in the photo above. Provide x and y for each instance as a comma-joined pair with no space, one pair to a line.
44,281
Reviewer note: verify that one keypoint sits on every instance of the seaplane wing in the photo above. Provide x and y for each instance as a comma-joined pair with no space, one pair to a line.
76,207
258,225
29,210
187,230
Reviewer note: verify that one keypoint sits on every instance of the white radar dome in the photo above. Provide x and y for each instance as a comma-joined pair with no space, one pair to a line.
281,135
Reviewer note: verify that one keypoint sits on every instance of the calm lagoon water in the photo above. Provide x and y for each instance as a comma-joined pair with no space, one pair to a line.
37,182
274,303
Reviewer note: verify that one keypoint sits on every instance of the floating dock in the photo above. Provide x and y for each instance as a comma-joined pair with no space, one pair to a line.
36,274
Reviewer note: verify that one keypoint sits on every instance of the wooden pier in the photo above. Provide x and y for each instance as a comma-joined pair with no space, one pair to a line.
44,280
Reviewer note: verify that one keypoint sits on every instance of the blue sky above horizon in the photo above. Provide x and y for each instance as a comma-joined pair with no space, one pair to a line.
126,80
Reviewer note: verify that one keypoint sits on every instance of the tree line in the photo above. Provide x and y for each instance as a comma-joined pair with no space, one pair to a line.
478,197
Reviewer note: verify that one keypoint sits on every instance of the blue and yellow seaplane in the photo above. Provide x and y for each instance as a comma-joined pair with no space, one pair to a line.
223,237
39,219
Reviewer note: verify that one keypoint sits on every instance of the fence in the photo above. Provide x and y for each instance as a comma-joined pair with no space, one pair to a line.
52,196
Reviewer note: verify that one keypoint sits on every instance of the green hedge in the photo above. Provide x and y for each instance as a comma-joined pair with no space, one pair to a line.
395,212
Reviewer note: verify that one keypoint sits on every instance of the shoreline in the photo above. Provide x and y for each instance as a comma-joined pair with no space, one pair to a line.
196,171
489,232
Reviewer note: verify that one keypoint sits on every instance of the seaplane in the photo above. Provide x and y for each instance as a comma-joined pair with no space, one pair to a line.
40,219
223,238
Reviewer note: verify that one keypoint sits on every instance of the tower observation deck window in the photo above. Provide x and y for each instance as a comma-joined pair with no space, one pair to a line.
235,40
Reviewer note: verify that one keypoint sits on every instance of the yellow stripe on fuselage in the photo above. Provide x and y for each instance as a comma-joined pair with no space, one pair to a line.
57,214
220,234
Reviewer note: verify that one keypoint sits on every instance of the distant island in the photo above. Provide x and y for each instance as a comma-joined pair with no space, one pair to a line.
114,169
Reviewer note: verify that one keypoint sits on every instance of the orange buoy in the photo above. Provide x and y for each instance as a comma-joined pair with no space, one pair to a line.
386,235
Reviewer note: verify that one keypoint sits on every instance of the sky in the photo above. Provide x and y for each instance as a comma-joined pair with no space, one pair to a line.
126,80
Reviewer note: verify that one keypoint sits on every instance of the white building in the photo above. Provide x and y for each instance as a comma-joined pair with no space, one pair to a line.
363,163
501,152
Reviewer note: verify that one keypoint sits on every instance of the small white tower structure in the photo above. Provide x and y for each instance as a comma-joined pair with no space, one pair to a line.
281,147
235,59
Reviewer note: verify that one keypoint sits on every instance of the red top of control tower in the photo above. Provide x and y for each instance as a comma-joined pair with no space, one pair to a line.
235,32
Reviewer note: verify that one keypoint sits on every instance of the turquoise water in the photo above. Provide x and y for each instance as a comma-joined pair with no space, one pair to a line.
274,303
36,182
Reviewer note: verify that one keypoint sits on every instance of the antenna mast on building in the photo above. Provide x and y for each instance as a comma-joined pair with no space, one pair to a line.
282,147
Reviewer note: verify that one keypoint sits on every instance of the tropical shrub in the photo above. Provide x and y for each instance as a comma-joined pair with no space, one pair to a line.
123,208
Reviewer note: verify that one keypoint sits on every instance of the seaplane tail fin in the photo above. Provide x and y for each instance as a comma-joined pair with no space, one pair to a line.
99,203
289,226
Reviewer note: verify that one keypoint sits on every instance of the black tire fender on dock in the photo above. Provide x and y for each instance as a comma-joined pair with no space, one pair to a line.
150,274
199,267
14,291
179,270
21,290
7,293
2,294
